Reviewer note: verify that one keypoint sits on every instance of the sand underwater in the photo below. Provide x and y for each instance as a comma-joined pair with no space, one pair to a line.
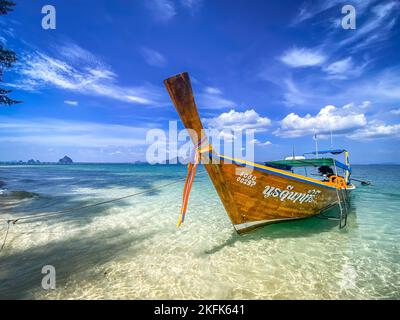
132,249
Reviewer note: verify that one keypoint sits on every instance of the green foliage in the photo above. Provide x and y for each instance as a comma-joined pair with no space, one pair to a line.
6,100
6,6
7,57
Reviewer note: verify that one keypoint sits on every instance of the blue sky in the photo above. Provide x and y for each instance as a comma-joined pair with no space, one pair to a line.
93,88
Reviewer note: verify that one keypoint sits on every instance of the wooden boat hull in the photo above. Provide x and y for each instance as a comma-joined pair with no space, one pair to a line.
265,195
253,195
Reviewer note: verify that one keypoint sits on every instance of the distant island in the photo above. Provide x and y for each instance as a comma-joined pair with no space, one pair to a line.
65,160
62,161
32,161
182,159
20,162
139,162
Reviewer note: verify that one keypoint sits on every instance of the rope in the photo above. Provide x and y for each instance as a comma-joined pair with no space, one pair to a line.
51,214
324,216
92,205
340,202
5,237
192,167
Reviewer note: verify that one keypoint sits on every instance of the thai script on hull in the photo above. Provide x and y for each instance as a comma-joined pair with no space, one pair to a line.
289,194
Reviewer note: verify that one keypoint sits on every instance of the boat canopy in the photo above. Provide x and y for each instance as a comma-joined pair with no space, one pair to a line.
289,164
334,151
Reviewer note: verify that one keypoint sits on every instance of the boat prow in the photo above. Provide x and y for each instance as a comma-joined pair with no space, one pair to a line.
253,194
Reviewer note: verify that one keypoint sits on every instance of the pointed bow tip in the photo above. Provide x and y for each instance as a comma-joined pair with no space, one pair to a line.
179,75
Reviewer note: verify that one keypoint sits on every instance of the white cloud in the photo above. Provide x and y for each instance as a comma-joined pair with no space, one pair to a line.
384,87
227,135
58,133
302,57
212,90
254,142
380,87
376,28
192,5
6,32
212,98
259,143
340,66
293,95
329,118
340,69
236,120
364,105
383,10
396,112
71,102
376,23
73,53
376,131
165,10
349,105
153,57
80,73
310,9
162,10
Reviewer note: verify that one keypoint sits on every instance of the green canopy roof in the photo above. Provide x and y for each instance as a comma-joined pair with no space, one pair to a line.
289,164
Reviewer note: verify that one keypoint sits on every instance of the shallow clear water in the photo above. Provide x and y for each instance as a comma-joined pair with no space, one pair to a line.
132,249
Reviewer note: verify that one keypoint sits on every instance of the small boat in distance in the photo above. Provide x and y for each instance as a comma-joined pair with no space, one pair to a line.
255,194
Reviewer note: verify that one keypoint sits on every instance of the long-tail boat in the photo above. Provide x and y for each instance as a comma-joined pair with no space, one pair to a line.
256,194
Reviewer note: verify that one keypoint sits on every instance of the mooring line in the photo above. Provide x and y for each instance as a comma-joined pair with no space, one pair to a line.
5,237
30,217
51,214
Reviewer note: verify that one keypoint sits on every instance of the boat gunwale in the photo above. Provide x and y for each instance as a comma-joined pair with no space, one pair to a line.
275,171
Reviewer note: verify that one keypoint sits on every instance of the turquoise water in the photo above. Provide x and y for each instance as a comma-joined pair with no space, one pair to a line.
132,249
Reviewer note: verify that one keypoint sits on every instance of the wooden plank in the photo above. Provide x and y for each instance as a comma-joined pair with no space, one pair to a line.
298,200
180,90
242,190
